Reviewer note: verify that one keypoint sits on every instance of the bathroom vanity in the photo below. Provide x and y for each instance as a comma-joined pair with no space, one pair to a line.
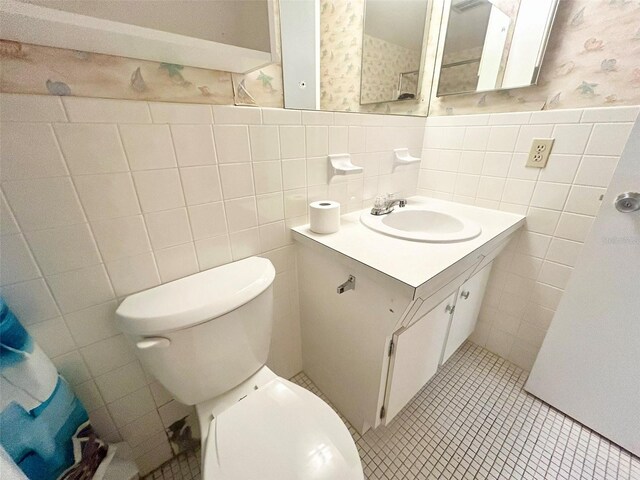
409,306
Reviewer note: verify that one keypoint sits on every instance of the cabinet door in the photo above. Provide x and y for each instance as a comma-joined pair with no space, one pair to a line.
468,304
416,353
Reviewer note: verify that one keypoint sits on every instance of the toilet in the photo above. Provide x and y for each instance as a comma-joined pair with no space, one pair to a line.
206,339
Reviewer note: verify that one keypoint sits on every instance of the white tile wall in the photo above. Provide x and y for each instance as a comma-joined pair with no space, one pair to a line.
103,198
480,159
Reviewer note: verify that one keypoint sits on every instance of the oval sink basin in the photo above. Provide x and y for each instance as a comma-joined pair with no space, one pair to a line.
423,225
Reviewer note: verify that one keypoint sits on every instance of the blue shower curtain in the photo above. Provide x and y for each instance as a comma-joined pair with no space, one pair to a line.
43,426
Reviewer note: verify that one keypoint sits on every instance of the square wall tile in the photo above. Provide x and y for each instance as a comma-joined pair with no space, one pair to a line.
232,143
121,381
29,150
550,195
294,173
53,336
91,148
44,203
241,213
338,139
109,195
272,235
571,139
176,262
232,115
245,243
133,274
542,220
292,142
131,407
560,168
141,429
207,220
121,237
609,138
267,177
237,180
213,252
72,367
201,184
596,171
574,227
357,140
159,189
584,200
31,108
265,144
100,110
564,251
503,139
148,146
295,203
164,112
471,162
90,397
80,289
16,262
107,355
168,228
317,141
93,324
62,249
496,164
8,224
280,116
476,138
270,208
193,144
518,191
31,301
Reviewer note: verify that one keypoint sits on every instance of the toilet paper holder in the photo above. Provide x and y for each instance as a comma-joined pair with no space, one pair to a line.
350,284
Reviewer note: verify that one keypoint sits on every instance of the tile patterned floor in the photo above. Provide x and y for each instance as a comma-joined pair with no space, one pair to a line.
473,420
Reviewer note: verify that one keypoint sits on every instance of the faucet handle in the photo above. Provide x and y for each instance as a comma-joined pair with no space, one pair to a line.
380,201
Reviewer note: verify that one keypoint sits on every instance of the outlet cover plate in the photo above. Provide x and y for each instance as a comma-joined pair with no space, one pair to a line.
539,153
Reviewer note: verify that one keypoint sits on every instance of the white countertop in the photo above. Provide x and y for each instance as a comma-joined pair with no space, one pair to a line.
412,262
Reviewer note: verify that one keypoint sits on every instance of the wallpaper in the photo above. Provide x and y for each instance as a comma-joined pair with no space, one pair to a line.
44,70
382,64
592,60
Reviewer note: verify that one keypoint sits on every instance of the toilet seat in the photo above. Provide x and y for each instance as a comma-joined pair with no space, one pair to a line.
280,432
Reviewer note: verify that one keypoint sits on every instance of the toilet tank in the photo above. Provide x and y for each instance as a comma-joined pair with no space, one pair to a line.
202,335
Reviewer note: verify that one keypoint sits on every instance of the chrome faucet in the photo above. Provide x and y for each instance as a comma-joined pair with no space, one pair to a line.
384,204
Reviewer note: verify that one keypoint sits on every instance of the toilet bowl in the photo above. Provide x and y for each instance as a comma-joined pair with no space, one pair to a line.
206,340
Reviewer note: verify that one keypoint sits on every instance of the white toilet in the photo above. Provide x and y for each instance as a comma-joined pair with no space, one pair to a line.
206,339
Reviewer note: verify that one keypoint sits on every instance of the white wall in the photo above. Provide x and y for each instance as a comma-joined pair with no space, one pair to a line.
479,159
103,198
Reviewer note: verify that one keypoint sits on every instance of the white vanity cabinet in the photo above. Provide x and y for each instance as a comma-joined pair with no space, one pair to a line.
467,307
371,348
417,351
415,357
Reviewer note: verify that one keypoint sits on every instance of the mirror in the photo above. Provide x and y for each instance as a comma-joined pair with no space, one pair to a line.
493,44
392,46
359,55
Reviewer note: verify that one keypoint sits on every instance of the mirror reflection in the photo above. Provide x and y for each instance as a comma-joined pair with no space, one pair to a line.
494,44
392,46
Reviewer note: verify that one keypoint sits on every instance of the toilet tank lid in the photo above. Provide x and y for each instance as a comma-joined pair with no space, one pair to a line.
195,299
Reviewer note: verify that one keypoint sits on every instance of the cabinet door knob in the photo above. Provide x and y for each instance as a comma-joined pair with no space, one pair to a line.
449,309
465,295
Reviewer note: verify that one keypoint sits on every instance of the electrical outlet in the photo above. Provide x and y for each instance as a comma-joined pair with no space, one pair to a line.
539,153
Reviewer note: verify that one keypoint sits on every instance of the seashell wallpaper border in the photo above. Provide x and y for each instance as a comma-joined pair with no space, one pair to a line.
592,60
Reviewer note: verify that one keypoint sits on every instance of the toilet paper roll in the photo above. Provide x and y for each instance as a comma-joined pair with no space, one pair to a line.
325,216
